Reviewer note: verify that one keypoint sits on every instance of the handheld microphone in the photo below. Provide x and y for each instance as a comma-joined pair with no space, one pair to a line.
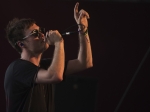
71,32
68,33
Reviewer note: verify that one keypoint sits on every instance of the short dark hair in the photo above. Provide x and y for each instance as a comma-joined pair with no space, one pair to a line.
15,30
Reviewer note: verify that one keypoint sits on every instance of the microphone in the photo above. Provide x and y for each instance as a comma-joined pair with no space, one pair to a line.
71,32
68,33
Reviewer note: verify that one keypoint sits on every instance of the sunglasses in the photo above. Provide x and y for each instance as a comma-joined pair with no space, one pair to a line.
36,33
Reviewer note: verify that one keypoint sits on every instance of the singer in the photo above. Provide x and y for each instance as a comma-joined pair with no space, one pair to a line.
29,80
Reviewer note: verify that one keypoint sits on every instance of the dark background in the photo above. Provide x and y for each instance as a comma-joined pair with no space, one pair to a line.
120,38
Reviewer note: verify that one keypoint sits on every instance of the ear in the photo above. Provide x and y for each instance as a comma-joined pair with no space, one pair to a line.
20,44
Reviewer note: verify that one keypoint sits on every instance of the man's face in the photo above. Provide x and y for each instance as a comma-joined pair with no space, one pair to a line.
35,41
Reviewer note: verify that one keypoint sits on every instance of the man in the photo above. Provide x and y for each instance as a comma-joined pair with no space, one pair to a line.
29,80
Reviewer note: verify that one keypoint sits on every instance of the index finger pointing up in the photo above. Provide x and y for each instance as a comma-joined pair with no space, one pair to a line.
76,9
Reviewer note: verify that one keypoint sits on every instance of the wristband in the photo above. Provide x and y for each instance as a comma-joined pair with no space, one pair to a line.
84,33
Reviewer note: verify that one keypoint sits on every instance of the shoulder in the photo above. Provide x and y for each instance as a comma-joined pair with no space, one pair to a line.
20,63
21,71
21,66
13,64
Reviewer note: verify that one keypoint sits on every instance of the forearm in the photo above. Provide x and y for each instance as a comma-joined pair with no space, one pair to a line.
84,59
85,52
57,66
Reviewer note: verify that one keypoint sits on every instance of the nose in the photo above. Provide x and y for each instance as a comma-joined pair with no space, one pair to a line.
42,36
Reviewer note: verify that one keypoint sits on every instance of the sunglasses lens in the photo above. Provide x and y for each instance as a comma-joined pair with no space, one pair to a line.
36,33
42,30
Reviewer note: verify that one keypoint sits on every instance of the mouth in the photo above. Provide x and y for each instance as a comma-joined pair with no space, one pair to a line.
44,39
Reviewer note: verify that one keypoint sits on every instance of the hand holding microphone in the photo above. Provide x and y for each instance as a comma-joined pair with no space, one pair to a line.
53,37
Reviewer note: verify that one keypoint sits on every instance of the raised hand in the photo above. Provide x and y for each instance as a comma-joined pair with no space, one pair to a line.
81,17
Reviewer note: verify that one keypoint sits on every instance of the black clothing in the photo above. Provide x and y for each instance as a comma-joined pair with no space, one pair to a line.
18,85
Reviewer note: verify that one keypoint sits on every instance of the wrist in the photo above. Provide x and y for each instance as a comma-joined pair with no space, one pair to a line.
82,29
59,42
83,32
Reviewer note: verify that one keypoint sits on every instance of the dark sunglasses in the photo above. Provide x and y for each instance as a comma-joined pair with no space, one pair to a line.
36,33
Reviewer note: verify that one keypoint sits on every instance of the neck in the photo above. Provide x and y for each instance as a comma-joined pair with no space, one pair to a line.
35,59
